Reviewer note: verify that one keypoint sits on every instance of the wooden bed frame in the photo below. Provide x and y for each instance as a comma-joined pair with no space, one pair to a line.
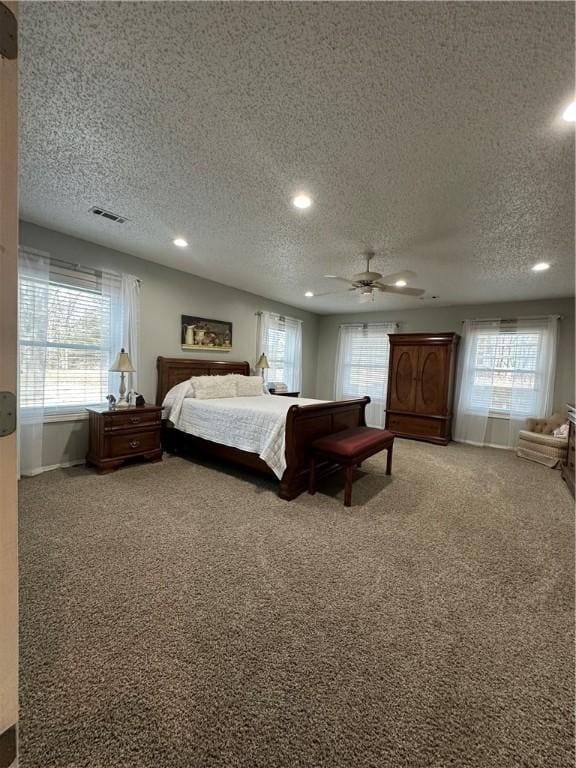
304,423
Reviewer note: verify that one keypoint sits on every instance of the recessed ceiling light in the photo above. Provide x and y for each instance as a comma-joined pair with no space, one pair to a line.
569,113
308,294
301,201
400,283
541,267
180,242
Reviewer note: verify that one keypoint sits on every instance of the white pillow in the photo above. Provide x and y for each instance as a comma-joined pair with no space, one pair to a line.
199,379
184,389
174,399
249,386
209,387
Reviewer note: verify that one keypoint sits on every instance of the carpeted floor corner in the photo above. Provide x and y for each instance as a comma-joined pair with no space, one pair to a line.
179,615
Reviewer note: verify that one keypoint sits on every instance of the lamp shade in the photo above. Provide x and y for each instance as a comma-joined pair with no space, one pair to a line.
122,363
262,362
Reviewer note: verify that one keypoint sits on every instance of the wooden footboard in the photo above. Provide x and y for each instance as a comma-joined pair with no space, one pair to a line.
306,423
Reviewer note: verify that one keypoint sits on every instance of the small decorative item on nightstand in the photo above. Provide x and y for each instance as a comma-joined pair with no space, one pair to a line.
119,435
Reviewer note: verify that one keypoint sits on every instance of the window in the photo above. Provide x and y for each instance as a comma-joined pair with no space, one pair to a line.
281,341
508,371
362,366
505,368
70,328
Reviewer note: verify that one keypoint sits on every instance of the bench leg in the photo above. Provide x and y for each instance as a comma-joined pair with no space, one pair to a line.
348,486
312,476
389,460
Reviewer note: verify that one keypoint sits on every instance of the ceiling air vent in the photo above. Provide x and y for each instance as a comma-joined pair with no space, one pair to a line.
108,215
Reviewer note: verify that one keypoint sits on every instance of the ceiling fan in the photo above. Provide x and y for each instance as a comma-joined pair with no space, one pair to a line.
367,284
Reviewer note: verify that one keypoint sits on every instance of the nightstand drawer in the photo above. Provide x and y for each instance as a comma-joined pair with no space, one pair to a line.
119,420
132,444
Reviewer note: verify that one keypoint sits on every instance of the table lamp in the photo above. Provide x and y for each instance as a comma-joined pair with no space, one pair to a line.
122,365
262,364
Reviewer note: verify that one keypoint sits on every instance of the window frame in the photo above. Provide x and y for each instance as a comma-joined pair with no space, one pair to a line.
474,370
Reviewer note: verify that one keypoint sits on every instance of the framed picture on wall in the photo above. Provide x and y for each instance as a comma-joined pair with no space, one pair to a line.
200,333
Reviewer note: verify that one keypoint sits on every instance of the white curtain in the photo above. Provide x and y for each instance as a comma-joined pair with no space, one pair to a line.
131,325
280,338
72,323
507,375
34,297
362,364
112,324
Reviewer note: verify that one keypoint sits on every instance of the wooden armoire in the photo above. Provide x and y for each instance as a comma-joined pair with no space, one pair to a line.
421,385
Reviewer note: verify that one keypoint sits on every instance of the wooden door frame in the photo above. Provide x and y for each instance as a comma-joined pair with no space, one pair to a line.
8,363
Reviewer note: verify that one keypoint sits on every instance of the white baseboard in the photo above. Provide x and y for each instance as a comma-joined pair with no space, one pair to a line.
63,465
486,445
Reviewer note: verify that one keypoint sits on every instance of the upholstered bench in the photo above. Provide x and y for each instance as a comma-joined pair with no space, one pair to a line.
349,448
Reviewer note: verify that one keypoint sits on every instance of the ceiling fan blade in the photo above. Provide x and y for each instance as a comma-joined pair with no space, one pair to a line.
327,293
405,291
337,277
407,274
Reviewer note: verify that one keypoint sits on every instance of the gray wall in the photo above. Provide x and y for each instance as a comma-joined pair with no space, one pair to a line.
442,319
166,295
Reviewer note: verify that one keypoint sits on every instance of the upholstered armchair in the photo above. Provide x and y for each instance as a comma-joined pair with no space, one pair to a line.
538,443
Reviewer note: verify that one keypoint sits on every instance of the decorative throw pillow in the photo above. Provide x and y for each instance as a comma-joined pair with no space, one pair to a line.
211,387
249,386
193,380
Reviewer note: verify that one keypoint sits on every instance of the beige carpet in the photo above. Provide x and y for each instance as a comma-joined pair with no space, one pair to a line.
179,616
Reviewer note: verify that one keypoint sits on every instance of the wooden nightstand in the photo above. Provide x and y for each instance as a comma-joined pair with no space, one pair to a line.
285,394
569,464
127,433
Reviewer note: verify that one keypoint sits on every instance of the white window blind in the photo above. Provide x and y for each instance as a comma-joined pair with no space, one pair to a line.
505,368
70,328
281,341
362,366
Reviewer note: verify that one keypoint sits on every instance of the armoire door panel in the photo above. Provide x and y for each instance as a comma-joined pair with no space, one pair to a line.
431,385
403,383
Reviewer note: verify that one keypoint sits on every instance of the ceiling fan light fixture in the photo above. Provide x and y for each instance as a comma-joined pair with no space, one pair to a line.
366,294
309,294
401,283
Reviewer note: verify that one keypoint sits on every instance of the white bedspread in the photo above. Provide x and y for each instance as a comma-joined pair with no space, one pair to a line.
255,424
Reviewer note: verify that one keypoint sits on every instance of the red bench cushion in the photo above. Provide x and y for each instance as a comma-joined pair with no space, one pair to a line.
354,442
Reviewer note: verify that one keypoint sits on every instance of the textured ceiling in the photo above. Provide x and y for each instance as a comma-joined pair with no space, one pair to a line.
429,131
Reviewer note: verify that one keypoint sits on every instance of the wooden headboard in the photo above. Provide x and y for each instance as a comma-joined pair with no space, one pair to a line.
173,370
